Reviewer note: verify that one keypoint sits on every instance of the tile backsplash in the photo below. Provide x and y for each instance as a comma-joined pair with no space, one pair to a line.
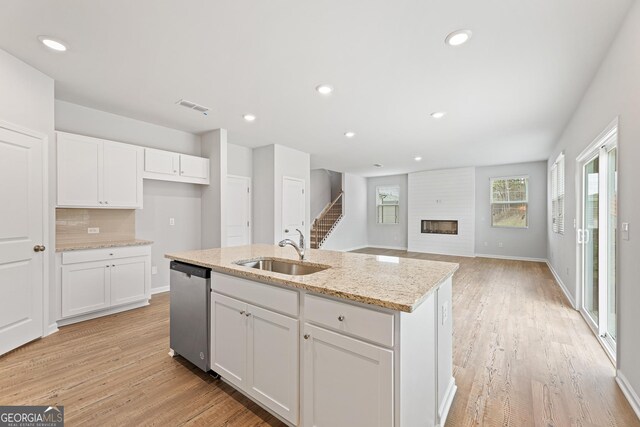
114,224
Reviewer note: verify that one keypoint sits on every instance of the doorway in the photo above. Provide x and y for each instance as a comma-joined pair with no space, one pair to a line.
597,236
293,208
238,210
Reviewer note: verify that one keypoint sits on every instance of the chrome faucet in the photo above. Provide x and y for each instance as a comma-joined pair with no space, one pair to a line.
298,247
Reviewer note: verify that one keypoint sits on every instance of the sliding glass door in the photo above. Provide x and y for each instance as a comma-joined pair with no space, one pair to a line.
597,239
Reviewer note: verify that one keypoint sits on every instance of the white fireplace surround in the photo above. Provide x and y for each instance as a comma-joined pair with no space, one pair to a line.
442,195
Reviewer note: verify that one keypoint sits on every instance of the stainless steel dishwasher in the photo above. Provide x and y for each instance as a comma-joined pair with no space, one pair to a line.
190,288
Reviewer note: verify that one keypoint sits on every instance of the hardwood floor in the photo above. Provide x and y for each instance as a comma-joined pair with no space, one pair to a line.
522,357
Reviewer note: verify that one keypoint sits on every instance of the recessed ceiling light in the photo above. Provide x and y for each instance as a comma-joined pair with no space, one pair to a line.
349,134
378,165
438,114
52,43
324,89
249,117
417,158
458,37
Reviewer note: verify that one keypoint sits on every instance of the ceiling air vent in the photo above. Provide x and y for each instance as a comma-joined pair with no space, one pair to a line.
193,106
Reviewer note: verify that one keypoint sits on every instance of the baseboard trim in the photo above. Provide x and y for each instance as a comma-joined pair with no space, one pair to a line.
514,258
628,392
355,248
562,286
443,411
89,316
397,248
51,329
159,290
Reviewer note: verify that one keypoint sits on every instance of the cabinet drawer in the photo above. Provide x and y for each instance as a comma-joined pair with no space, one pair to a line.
72,257
268,296
371,325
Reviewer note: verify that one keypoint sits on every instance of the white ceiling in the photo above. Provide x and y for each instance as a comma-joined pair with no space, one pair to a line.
508,92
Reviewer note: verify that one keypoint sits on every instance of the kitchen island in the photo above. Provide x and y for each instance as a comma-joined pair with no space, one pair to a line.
358,340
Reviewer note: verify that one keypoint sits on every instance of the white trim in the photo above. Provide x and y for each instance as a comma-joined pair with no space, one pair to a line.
355,248
399,248
51,329
560,283
102,313
159,290
445,405
601,140
515,258
628,392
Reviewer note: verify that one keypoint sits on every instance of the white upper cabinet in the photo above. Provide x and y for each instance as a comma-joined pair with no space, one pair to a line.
161,162
169,166
96,173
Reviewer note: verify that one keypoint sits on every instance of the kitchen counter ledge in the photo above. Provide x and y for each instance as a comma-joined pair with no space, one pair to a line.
400,284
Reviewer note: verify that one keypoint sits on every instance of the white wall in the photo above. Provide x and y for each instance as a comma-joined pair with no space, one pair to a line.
263,194
320,191
214,147
447,195
614,91
162,200
529,242
239,160
387,235
26,100
351,231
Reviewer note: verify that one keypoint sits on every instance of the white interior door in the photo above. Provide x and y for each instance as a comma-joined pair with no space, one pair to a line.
21,236
293,207
238,210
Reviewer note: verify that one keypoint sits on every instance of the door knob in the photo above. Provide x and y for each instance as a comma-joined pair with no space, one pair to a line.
307,336
39,248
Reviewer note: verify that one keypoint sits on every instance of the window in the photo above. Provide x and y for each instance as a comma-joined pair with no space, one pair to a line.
557,195
388,205
510,202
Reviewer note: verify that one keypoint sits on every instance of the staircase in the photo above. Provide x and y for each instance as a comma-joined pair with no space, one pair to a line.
324,224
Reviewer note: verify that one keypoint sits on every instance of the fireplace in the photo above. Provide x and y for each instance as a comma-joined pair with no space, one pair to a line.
438,226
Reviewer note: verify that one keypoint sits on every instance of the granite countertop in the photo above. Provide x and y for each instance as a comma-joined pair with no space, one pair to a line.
64,247
396,283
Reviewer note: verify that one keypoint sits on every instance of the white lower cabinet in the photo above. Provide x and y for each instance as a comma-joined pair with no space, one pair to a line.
85,288
257,351
350,366
347,382
98,280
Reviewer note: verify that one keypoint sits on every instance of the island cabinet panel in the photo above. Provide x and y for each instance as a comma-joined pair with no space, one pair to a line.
273,361
271,297
229,338
347,382
446,383
371,325
257,351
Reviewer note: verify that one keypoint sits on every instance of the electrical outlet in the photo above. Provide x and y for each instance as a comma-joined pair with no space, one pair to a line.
93,230
154,269
172,221
625,231
486,243
499,244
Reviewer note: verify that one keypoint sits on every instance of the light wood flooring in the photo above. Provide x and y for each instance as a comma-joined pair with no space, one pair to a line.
522,357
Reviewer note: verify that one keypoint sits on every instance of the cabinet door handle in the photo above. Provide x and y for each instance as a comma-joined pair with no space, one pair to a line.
107,266
341,318
39,248
113,265
100,202
247,314
242,312
106,203
307,336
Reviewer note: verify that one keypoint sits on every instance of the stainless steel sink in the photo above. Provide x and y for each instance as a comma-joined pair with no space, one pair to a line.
291,268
